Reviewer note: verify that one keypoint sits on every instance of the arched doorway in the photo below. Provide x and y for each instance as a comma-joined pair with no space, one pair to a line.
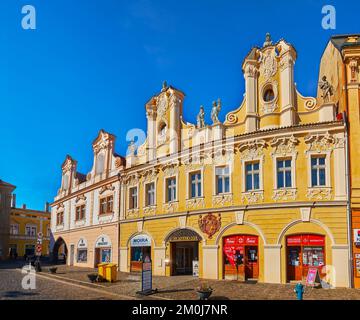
184,251
60,251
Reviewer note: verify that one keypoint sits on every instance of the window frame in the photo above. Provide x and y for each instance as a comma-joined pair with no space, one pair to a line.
132,206
105,200
327,155
189,184
166,179
215,186
146,184
82,212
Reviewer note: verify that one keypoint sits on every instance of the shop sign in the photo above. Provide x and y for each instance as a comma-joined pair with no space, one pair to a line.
195,268
312,277
146,276
82,244
241,240
184,235
102,242
141,240
306,240
357,237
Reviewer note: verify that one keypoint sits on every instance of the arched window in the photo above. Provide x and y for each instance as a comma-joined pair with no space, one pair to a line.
99,164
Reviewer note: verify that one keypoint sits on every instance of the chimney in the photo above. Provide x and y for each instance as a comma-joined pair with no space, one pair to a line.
47,207
24,206
13,200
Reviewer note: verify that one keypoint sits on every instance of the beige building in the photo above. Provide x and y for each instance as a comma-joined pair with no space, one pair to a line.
6,190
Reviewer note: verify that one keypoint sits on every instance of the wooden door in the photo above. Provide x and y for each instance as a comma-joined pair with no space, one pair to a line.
251,262
294,268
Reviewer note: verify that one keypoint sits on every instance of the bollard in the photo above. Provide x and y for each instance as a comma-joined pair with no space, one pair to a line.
299,290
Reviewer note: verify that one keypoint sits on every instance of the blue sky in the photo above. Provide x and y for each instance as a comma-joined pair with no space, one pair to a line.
91,56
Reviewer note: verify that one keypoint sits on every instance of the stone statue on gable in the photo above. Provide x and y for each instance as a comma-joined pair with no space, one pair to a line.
201,118
327,89
215,111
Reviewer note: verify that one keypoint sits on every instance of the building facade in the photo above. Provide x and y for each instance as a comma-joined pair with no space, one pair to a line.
25,225
6,190
85,213
262,195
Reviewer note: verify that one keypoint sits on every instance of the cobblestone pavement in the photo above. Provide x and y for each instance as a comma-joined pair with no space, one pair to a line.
72,279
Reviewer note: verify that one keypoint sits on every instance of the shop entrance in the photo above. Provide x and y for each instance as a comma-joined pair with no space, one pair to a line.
303,252
103,250
184,253
240,256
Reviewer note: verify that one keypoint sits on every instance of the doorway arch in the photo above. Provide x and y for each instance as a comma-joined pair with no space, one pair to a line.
60,251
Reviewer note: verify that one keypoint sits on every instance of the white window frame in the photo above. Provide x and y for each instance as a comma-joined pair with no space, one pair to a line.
31,226
145,205
137,197
189,184
17,228
293,157
261,175
327,155
215,191
176,176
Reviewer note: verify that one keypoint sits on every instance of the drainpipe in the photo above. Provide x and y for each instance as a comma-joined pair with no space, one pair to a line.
348,201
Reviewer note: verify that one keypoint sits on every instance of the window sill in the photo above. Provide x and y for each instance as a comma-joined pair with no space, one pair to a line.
106,214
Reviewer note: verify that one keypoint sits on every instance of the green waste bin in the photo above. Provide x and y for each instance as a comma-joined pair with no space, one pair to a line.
111,272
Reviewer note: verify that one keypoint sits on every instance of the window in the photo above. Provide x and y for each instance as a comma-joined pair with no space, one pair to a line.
283,169
48,232
252,177
150,194
222,180
82,255
195,185
162,130
133,200
318,176
60,218
106,205
14,229
171,189
30,231
80,212
269,95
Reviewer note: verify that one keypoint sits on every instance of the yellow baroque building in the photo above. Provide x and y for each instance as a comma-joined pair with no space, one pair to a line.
25,225
263,195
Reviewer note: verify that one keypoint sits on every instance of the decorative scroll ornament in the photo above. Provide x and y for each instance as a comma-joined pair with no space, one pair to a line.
310,104
103,142
162,105
231,118
269,65
284,145
222,200
210,224
284,194
252,197
319,194
170,169
150,175
195,203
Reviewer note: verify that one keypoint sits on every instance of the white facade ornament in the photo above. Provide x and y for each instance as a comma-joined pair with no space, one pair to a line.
320,142
149,210
140,226
162,105
252,149
252,197
195,203
182,222
284,145
170,207
310,104
239,217
319,194
284,194
269,65
170,169
103,142
305,214
222,200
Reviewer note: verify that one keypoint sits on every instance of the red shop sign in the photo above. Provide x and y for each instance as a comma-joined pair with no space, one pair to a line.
241,240
306,240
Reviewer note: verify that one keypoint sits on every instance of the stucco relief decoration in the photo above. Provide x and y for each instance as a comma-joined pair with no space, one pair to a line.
194,163
118,163
210,224
170,207
132,180
251,71
286,61
319,194
320,142
284,194
170,169
106,188
268,64
68,165
231,118
149,211
223,155
150,175
80,198
195,203
162,105
252,149
222,200
284,145
60,207
103,142
252,197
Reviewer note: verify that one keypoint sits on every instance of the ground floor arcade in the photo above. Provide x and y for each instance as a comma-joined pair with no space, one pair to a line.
274,245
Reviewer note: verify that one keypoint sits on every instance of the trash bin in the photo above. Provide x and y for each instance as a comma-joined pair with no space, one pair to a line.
101,270
111,272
